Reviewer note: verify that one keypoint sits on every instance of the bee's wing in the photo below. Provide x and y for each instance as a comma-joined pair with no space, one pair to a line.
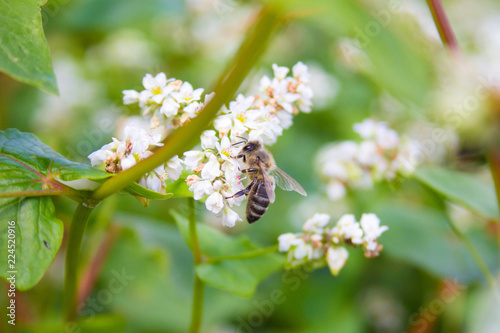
268,183
286,182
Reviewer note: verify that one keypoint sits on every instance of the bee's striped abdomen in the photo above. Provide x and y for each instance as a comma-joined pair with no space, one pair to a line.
258,201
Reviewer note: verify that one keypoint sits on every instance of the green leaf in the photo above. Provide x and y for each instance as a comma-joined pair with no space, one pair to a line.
117,14
25,159
461,189
24,53
38,236
27,163
424,238
240,277
154,252
138,190
397,63
24,162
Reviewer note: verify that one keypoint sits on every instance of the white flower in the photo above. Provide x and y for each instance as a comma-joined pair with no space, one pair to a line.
173,168
107,151
223,123
230,217
304,101
300,72
155,84
283,97
387,138
193,109
371,245
280,72
371,226
224,147
285,119
336,258
214,202
186,94
319,244
193,158
241,104
336,190
153,182
201,188
192,179
170,107
128,162
286,241
349,229
211,170
301,250
217,185
367,153
367,129
208,139
316,223
145,99
381,155
265,83
122,155
140,139
130,97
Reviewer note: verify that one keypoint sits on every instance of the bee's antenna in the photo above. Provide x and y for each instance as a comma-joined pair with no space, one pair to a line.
237,143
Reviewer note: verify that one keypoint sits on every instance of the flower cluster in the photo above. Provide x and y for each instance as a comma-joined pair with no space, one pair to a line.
264,116
216,173
320,244
136,146
167,103
381,155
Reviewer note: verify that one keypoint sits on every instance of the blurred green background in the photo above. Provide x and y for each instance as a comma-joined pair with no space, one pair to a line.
381,59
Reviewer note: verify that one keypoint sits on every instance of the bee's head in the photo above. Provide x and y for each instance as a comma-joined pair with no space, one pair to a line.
250,146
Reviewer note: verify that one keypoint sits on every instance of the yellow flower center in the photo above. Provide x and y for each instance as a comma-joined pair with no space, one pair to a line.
226,153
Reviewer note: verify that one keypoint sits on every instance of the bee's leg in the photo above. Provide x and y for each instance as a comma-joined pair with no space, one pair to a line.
249,170
243,157
245,191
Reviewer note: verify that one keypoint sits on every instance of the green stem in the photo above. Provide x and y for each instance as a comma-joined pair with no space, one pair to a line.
187,136
60,189
245,255
450,41
198,288
76,232
198,291
193,235
38,193
443,25
494,161
475,256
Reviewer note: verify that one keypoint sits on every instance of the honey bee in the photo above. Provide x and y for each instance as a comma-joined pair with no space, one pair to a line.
262,172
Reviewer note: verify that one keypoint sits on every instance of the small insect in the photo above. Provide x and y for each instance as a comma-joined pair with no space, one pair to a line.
260,166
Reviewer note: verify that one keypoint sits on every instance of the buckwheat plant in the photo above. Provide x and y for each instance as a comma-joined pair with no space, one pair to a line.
215,172
323,244
166,104
382,154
